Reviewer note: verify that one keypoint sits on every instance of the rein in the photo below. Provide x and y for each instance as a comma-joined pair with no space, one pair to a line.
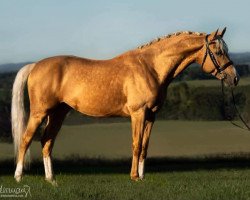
235,108
220,70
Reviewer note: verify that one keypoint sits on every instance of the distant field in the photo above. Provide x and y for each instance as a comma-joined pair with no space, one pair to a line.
187,160
214,82
169,138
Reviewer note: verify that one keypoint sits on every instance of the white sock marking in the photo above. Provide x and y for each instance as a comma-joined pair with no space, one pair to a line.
48,168
19,171
141,169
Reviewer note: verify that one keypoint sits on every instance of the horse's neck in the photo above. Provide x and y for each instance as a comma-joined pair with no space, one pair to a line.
171,56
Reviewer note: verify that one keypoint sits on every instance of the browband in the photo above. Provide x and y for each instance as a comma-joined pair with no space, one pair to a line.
211,55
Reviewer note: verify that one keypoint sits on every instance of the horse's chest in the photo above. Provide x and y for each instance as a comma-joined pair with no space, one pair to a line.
150,96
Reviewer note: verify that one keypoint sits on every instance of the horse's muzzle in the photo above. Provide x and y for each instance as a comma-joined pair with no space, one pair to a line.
232,81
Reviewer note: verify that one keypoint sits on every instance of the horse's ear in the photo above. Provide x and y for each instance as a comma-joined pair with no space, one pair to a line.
214,34
223,31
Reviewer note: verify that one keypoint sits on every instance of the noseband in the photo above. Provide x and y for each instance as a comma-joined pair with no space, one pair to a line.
219,68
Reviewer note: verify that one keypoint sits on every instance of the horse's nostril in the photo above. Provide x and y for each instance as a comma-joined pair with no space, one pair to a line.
236,80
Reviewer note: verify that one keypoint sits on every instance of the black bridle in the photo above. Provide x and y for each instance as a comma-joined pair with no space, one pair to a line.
219,68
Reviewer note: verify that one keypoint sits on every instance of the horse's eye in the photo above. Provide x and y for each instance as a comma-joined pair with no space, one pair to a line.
218,53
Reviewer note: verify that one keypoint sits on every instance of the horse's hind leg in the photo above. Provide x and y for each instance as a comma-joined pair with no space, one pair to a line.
35,120
55,120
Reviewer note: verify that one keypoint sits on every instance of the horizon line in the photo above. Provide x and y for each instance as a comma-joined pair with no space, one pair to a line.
19,62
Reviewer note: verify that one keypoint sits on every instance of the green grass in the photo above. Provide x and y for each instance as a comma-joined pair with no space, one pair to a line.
202,184
187,160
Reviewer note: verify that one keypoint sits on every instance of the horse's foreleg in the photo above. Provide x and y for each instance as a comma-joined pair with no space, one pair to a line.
145,141
138,121
33,123
55,120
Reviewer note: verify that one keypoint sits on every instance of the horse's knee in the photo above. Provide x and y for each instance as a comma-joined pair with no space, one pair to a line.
136,150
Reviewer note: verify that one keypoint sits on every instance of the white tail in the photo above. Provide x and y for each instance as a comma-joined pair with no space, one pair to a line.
18,114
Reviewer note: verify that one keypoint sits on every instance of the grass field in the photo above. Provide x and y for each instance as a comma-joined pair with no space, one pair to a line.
199,184
187,160
169,138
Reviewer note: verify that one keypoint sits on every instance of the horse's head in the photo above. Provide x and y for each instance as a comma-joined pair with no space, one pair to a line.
216,60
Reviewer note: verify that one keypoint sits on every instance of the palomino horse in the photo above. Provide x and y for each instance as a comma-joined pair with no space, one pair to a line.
133,84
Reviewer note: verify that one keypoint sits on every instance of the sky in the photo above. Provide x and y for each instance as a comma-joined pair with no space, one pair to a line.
31,30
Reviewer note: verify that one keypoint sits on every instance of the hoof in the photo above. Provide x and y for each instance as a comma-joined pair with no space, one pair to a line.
135,178
18,178
141,177
52,182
